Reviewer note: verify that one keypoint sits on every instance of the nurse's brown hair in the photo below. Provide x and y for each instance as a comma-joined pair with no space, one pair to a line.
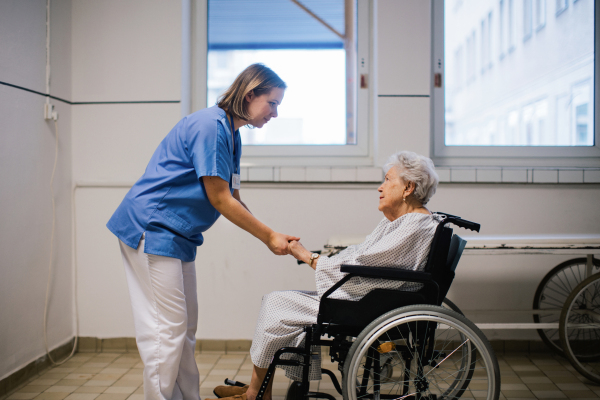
256,78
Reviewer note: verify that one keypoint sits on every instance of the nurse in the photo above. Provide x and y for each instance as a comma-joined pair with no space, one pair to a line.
192,178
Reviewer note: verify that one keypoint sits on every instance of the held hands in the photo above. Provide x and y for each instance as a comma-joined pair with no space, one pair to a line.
279,243
299,251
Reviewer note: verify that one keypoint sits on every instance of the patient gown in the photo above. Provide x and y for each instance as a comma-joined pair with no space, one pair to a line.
404,242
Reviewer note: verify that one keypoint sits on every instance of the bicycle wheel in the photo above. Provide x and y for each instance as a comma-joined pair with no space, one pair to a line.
580,328
420,352
552,292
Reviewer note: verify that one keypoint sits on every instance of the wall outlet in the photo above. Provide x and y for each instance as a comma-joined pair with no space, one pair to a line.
49,112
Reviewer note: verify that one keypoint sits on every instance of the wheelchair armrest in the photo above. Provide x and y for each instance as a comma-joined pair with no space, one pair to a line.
396,274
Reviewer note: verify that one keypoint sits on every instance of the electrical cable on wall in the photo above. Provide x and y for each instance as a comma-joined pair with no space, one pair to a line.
50,114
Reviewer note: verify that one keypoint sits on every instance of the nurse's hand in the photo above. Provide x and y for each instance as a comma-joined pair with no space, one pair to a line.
278,243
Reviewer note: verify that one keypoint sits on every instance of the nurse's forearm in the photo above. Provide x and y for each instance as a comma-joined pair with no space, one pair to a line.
235,212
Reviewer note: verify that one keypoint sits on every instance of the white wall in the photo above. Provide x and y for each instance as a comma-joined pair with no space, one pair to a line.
26,159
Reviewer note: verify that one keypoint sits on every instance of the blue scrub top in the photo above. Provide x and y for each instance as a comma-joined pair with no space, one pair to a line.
169,203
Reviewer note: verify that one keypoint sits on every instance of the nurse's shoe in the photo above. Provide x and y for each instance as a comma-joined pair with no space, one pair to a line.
230,391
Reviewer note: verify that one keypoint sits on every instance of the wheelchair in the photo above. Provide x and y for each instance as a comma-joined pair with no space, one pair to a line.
394,344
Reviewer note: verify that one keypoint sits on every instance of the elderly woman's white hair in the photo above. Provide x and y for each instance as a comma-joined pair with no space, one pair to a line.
417,169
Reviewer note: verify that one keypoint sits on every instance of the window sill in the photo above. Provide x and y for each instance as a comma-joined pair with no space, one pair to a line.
312,174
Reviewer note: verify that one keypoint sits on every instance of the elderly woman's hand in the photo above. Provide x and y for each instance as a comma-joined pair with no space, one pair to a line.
296,249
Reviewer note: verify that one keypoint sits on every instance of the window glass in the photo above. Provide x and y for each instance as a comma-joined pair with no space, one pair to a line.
540,91
309,52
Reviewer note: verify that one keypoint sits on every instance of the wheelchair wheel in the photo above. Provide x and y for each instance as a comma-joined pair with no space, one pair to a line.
580,328
419,352
552,292
446,303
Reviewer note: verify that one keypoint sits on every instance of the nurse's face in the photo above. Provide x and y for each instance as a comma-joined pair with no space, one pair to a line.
264,107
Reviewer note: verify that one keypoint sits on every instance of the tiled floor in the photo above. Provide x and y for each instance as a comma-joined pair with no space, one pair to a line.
114,376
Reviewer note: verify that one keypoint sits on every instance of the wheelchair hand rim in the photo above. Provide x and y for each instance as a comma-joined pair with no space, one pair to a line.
414,316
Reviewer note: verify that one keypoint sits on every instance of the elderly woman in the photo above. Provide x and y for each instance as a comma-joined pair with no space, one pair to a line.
403,237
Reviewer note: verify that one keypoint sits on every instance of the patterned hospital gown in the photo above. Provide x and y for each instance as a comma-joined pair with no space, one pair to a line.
283,315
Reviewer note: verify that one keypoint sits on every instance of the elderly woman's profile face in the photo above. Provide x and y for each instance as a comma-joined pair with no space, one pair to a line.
391,191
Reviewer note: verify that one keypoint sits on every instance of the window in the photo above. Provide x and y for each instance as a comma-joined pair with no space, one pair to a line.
561,5
540,14
539,102
316,47
527,19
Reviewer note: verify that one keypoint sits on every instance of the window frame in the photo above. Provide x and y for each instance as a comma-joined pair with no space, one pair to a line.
504,155
360,153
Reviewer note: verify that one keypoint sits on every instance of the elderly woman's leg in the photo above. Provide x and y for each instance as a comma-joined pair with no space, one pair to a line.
258,376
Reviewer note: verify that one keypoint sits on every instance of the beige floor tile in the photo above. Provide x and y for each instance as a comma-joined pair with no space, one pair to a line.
62,389
112,396
532,379
44,381
580,394
91,389
113,370
107,377
82,396
517,393
80,376
572,386
549,394
53,375
96,382
139,390
127,383
565,379
511,386
94,364
51,396
87,370
22,396
542,386
71,382
121,389
33,388
136,397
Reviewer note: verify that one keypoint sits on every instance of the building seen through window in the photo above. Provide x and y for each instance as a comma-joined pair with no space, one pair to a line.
536,86
310,44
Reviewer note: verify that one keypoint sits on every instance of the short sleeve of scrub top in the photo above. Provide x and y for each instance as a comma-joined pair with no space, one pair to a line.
169,203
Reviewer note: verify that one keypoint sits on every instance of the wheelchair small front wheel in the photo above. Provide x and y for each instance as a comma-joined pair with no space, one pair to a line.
421,351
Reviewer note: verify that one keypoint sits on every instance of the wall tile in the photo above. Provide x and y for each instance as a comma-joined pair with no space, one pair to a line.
369,175
514,175
264,174
444,174
318,174
244,174
343,174
545,176
489,175
591,176
570,176
463,175
276,173
292,174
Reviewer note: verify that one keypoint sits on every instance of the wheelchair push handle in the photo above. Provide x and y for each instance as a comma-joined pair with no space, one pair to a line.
458,221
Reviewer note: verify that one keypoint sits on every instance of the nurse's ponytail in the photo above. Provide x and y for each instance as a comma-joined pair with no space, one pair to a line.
257,78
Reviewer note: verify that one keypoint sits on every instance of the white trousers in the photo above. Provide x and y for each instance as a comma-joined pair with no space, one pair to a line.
165,315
